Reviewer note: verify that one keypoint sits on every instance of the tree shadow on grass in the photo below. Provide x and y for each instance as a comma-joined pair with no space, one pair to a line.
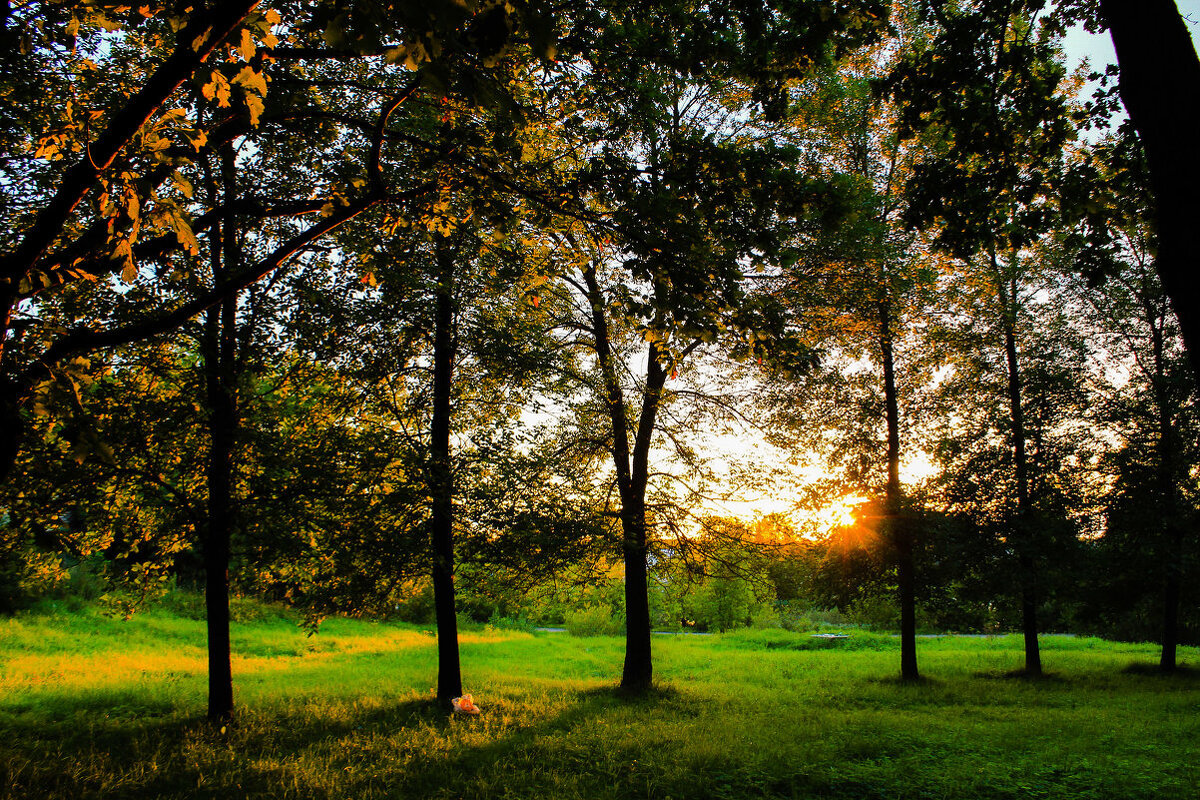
1043,678
116,744
900,682
1182,672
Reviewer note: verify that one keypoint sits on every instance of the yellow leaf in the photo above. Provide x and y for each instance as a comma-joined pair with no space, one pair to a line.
247,46
250,79
255,105
183,185
183,232
124,251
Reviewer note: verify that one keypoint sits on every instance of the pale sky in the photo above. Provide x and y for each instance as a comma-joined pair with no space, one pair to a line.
1098,49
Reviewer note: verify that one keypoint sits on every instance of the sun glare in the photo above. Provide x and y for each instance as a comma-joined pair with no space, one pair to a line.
838,515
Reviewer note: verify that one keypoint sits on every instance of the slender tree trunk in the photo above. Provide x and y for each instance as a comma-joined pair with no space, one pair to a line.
222,424
441,522
1022,533
1160,87
1172,554
220,377
11,427
901,530
632,467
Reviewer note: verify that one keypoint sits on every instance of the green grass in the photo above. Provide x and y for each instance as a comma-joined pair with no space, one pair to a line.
92,707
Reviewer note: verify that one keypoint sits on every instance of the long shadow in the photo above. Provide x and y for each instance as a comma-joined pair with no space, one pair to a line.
117,747
1182,672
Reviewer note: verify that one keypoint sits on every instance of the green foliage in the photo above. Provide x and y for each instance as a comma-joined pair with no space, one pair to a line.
594,621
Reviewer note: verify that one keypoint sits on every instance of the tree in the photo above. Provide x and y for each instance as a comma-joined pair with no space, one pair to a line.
858,288
990,81
138,167
1148,509
1160,88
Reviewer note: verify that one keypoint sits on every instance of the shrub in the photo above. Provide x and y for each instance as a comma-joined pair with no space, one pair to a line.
508,623
594,621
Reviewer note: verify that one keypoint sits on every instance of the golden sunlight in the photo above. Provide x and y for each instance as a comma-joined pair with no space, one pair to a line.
838,517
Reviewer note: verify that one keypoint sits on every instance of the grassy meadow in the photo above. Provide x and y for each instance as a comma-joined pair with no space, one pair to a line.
93,707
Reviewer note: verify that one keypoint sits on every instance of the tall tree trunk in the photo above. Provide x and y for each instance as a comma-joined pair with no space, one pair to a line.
1022,533
900,527
637,673
222,425
1160,87
11,426
632,467
441,522
1172,553
220,365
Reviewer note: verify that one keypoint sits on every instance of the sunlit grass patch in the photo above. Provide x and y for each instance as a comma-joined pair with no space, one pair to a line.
95,707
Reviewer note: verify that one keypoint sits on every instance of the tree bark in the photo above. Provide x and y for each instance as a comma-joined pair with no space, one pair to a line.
220,377
1160,87
1171,554
222,423
441,484
1022,534
632,467
900,528
638,672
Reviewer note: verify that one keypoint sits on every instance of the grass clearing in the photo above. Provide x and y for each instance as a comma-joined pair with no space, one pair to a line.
92,707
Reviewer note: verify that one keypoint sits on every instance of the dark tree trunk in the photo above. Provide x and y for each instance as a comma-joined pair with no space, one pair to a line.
637,674
632,467
1160,87
219,347
1022,533
11,427
1171,554
441,485
900,527
222,424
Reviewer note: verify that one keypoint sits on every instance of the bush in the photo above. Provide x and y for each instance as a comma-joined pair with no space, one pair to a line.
876,613
415,605
594,621
190,605
507,623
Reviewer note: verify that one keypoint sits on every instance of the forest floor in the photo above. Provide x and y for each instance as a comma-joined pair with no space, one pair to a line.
93,707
